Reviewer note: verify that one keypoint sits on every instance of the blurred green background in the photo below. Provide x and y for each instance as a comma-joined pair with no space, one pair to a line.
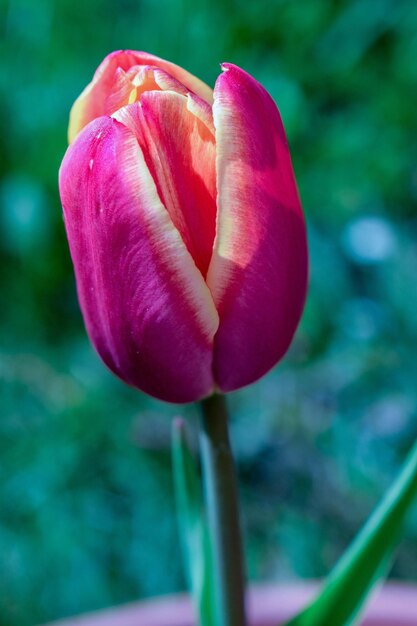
86,505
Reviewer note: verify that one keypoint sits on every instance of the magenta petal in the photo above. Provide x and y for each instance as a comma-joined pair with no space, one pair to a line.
258,272
146,306
180,151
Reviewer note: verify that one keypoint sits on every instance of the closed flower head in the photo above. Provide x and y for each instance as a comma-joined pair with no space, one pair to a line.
185,226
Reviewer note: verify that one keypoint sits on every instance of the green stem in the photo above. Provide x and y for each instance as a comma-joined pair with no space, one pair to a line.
223,515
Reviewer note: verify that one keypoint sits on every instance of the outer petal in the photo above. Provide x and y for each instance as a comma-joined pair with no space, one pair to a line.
146,307
258,272
179,150
91,103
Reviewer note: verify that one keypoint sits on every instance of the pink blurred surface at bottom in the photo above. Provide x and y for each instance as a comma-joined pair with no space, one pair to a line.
395,604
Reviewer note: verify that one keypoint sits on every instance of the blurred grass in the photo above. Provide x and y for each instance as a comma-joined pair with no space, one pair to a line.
86,500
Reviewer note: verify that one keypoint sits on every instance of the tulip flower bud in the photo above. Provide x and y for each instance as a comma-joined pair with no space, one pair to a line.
185,226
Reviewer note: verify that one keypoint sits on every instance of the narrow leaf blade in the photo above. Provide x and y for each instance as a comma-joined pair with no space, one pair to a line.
367,559
193,529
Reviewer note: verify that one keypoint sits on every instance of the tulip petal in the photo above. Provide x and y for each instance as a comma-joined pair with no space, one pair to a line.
129,86
179,150
92,101
258,272
146,306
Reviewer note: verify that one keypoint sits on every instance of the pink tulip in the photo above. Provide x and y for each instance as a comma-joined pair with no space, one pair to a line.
185,226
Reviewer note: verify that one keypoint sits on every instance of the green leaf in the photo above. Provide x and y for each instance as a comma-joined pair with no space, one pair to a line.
366,560
193,528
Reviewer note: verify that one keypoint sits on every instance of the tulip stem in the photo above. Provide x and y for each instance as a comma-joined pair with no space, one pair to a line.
221,497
